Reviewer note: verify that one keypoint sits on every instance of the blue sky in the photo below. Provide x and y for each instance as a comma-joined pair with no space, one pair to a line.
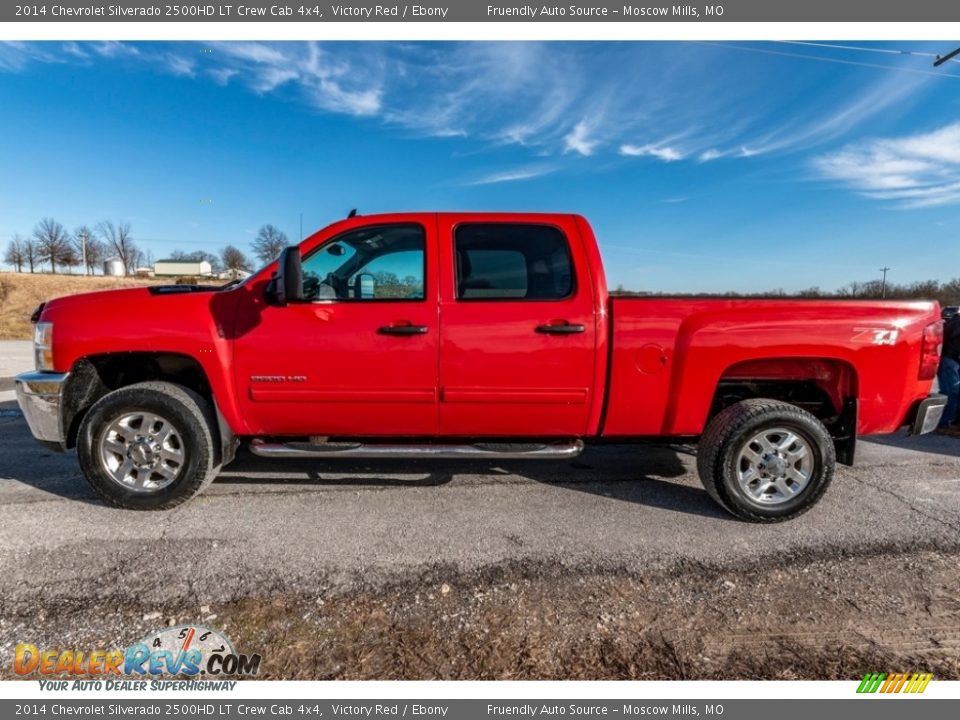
703,167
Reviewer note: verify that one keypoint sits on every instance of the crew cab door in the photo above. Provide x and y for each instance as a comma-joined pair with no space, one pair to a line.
517,329
359,357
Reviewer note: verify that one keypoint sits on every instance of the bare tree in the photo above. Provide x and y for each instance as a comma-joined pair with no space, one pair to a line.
136,258
53,243
234,261
30,253
119,242
96,254
16,253
70,258
269,243
950,292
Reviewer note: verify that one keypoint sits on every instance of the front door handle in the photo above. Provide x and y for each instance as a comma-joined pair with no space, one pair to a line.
403,329
560,328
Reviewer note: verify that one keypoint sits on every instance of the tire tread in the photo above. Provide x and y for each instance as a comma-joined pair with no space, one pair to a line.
196,407
730,422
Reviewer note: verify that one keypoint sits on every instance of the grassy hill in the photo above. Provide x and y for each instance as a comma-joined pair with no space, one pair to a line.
20,293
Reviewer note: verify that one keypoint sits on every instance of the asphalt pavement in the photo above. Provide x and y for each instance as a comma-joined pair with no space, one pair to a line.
16,356
288,525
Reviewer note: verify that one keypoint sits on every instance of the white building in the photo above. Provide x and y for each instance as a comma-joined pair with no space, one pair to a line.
233,275
193,268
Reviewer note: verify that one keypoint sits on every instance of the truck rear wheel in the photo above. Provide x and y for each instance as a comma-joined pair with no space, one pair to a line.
765,460
148,446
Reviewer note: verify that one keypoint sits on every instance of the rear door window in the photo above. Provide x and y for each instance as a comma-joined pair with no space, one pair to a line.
512,261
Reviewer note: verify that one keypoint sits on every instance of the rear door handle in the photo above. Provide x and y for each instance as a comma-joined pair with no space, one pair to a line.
561,328
403,329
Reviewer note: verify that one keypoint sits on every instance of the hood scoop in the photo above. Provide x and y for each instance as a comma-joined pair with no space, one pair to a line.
179,289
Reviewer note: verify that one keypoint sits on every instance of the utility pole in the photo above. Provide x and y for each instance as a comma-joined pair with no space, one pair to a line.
301,227
883,283
83,252
941,59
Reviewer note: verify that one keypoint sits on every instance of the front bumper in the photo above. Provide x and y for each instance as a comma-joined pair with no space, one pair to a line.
40,395
926,416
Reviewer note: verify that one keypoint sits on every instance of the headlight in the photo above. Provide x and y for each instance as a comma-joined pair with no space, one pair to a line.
43,345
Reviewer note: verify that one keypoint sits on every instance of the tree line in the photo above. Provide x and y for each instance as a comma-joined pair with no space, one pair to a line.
50,244
946,293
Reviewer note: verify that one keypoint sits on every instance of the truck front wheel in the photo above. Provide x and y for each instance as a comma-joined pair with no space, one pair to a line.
148,446
765,460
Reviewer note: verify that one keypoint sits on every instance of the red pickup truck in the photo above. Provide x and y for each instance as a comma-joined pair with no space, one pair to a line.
469,335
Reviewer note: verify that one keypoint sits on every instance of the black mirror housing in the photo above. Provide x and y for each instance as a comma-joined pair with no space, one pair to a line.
287,284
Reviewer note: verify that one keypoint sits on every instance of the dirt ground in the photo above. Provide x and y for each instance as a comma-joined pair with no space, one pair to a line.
835,618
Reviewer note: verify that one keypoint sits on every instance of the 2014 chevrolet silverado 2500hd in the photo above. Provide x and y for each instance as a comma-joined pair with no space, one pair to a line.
473,335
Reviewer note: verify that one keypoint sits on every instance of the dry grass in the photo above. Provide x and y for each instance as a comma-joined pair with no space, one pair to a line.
20,293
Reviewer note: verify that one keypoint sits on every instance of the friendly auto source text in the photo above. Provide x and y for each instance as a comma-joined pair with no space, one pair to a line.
585,709
587,11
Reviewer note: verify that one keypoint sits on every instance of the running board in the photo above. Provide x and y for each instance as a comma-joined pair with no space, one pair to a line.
478,451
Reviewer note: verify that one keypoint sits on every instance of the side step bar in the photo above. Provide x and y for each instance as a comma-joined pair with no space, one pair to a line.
478,451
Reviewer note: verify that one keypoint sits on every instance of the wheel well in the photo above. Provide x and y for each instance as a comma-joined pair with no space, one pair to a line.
93,377
824,387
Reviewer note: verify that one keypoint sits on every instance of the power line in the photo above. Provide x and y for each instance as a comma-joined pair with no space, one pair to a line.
836,61
178,242
861,48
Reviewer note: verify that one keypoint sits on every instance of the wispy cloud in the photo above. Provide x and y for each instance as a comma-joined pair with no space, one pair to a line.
578,140
179,65
327,83
114,49
74,49
222,76
664,152
552,99
16,56
913,171
513,175
811,129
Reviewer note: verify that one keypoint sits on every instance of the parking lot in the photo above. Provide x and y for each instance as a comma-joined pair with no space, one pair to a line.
294,532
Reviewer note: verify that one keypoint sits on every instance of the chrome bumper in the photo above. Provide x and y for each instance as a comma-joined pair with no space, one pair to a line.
39,395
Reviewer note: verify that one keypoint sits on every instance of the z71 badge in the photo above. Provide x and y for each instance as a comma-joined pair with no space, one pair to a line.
875,336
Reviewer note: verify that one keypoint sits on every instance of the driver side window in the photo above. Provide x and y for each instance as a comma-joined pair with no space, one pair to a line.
381,262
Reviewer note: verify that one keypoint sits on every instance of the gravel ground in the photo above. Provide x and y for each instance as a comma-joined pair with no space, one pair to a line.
608,566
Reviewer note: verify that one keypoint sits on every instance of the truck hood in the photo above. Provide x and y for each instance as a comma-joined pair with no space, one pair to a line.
122,295
155,319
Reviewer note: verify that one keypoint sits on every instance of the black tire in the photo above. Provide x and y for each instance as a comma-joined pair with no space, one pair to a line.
186,410
729,432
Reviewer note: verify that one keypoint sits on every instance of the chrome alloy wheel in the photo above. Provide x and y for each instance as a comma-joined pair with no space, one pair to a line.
775,465
142,451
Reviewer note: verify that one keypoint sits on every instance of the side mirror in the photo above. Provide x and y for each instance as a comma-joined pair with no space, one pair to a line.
287,284
364,286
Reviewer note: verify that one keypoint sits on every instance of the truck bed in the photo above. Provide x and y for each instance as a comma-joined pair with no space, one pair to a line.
668,356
